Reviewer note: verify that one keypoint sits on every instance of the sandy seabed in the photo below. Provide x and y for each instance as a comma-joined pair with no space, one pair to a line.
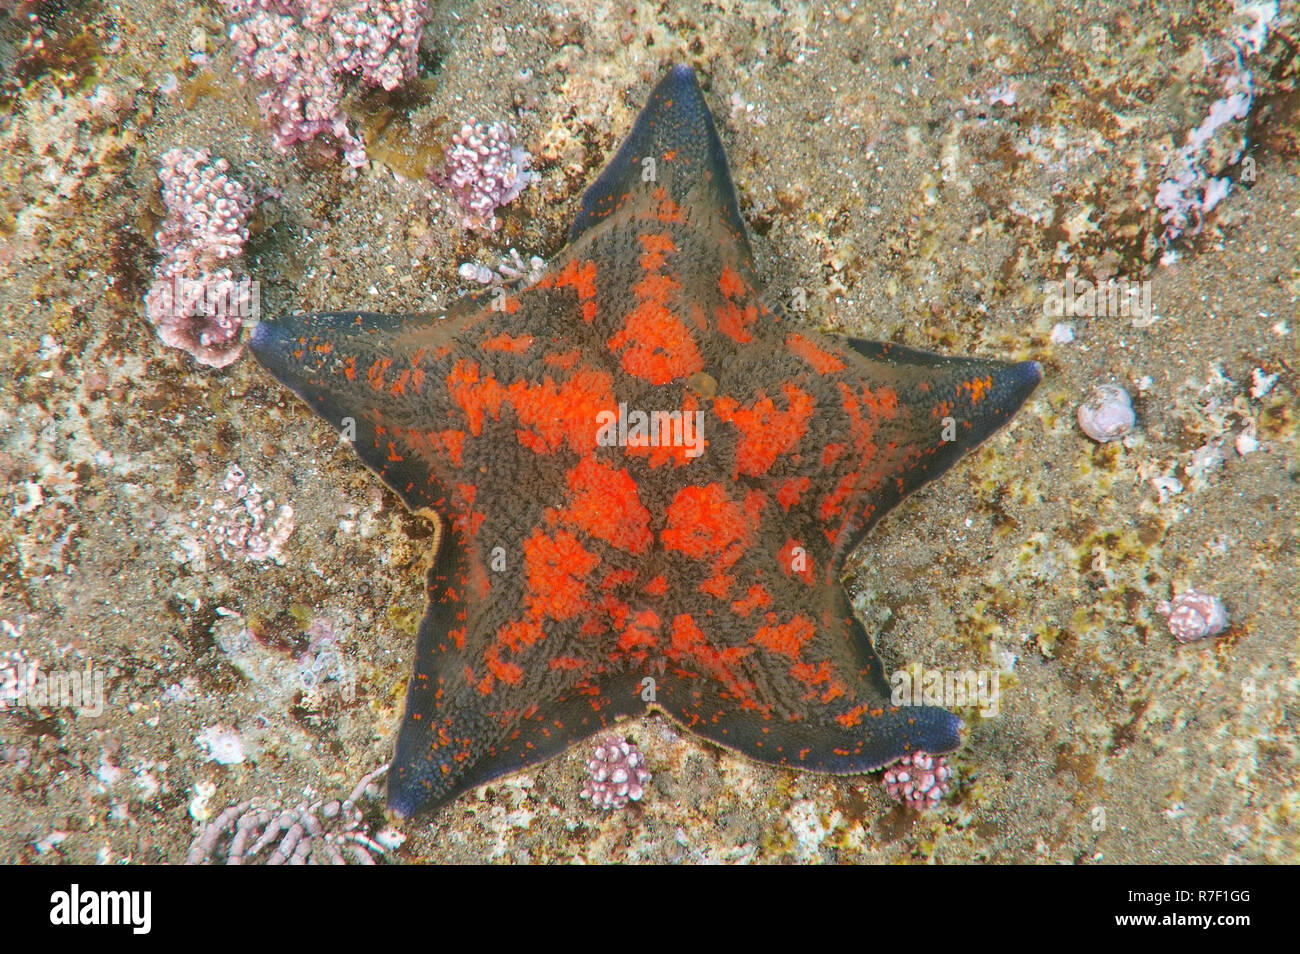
912,175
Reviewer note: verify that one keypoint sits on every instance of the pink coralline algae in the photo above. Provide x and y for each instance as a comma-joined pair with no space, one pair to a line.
1194,616
246,525
484,171
1191,193
918,780
1196,184
306,49
195,302
617,774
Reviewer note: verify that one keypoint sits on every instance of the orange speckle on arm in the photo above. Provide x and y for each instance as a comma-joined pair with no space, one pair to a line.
791,491
507,672
604,502
795,561
853,717
785,639
508,343
656,587
757,598
557,567
823,362
454,441
730,283
563,359
657,245
474,395
655,345
735,323
977,388
766,433
520,634
375,373
581,277
702,522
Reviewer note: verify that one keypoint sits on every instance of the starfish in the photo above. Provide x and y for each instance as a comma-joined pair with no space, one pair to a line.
646,479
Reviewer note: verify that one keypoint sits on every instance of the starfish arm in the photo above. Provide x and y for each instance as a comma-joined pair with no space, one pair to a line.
847,742
374,378
940,409
673,147
437,737
485,701
789,690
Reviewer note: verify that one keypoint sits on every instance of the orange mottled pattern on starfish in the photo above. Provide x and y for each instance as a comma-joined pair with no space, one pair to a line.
647,481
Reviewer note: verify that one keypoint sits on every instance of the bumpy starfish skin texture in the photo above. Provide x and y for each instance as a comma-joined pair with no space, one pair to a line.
579,580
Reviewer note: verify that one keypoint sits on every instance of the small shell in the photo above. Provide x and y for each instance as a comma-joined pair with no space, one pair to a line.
1107,414
1194,616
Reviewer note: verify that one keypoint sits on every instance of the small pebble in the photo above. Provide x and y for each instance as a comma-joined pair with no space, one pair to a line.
1062,333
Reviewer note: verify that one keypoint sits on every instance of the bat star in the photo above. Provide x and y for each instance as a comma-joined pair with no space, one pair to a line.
647,479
